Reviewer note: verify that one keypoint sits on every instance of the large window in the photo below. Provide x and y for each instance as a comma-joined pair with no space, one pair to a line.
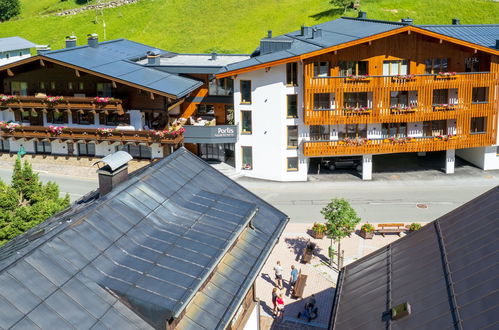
19,88
292,74
84,118
86,149
247,158
321,69
436,65
223,86
353,131
472,64
322,101
435,128
43,147
246,122
478,125
292,164
57,117
440,96
393,68
139,151
480,95
114,119
245,91
32,117
104,89
5,145
355,68
292,101
205,110
356,100
394,130
292,136
319,132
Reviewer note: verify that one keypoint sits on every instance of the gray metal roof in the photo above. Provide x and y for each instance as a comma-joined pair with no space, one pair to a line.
138,255
348,29
14,43
115,58
447,271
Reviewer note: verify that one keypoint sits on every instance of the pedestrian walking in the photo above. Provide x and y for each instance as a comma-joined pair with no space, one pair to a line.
280,306
293,278
278,274
274,300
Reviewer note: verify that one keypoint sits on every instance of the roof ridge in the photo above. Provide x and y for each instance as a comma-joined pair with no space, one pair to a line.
374,20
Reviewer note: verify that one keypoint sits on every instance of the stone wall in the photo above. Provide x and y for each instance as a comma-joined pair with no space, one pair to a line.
110,4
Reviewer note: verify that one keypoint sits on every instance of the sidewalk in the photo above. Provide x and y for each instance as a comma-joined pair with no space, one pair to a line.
321,279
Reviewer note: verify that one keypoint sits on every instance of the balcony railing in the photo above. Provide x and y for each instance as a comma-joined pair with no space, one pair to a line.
382,146
71,134
382,86
64,103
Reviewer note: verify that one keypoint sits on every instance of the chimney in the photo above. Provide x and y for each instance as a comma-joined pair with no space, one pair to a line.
42,49
154,57
362,14
93,40
407,20
456,21
114,172
269,34
70,41
305,31
213,56
316,33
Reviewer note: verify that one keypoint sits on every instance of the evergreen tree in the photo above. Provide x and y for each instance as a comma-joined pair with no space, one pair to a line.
9,9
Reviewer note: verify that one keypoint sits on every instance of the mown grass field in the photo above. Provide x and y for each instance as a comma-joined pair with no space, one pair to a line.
221,25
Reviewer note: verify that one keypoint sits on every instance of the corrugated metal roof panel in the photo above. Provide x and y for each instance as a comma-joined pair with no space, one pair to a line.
483,35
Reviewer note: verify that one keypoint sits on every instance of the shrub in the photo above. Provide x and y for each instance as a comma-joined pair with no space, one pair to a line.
319,227
414,226
367,228
9,9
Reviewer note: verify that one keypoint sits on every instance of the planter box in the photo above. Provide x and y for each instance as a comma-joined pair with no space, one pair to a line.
317,235
366,235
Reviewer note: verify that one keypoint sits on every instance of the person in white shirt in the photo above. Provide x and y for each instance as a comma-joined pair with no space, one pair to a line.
278,274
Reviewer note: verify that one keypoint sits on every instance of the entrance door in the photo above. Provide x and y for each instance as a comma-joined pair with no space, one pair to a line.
19,88
222,152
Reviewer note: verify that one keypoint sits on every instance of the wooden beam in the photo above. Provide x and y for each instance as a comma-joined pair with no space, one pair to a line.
10,73
175,104
114,84
151,95
77,73
42,63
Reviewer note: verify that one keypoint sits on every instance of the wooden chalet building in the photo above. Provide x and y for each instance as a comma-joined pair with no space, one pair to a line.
94,99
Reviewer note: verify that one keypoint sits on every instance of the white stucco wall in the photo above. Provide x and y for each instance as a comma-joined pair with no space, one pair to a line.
269,125
29,146
484,157
6,115
14,55
253,320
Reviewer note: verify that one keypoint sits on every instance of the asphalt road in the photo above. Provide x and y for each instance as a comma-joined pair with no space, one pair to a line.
375,201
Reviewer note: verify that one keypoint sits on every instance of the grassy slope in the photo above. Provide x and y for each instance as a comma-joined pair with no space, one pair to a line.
224,26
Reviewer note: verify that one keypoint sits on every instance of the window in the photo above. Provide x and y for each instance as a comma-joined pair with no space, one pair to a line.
292,136
42,85
353,131
436,65
246,122
32,117
319,132
5,145
85,118
245,91
292,164
480,95
139,151
43,147
478,125
70,86
224,87
57,117
355,68
394,130
86,149
435,128
440,96
356,100
19,88
205,109
292,106
472,64
81,86
104,89
321,69
52,85
322,101
393,68
247,158
114,119
292,74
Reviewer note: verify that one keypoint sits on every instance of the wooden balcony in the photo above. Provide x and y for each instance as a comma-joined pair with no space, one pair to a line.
384,146
381,86
67,103
71,134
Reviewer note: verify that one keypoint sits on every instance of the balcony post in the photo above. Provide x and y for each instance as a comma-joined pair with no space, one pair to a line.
367,167
450,159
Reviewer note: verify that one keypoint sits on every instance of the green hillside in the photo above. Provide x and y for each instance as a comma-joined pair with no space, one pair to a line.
220,25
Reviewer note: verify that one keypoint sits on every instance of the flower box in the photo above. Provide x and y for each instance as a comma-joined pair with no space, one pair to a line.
359,111
54,99
445,75
367,231
366,235
403,78
317,235
403,109
318,230
444,107
8,98
358,78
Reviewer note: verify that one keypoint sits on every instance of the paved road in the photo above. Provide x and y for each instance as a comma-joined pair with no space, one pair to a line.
376,201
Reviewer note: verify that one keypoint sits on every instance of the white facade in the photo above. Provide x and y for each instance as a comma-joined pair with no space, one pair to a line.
13,55
268,138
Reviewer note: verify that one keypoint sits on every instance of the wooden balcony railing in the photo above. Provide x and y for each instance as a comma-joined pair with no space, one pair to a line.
382,146
380,88
71,134
67,103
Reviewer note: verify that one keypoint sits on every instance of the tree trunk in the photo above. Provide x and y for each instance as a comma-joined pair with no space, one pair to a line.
339,253
331,255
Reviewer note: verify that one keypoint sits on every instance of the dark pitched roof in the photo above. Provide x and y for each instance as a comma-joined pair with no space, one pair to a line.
139,255
114,58
14,43
346,29
447,271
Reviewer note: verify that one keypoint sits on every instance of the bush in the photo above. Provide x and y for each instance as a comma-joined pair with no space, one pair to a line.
367,228
414,226
319,227
9,9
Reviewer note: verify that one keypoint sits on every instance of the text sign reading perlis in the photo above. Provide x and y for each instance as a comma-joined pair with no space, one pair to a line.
225,132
